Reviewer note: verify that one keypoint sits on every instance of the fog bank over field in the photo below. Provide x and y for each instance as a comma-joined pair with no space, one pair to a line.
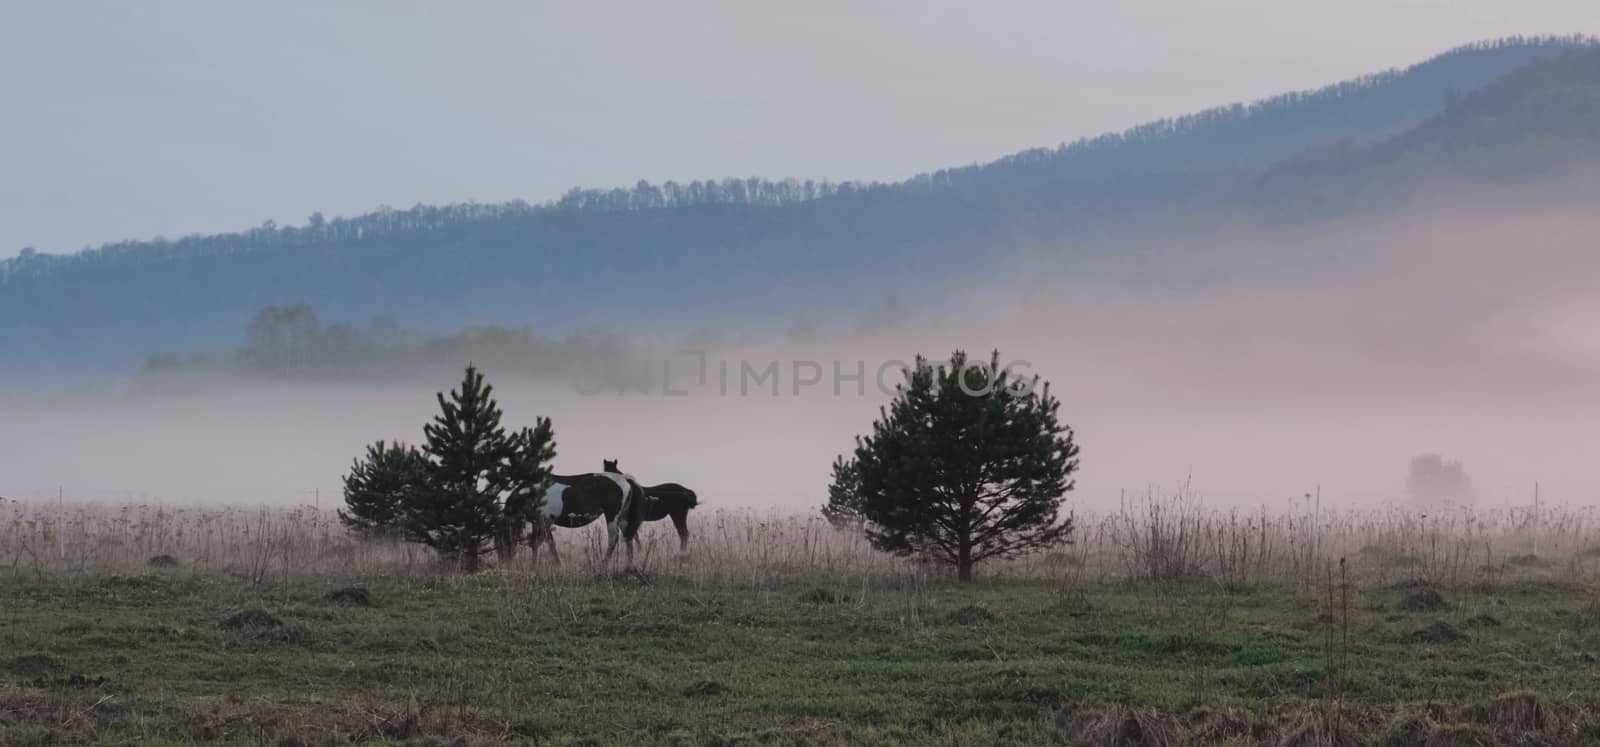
1315,359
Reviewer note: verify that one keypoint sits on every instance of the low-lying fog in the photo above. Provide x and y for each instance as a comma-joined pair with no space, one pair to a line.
1328,360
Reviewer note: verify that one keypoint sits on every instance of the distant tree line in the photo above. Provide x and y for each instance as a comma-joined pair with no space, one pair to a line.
291,342
387,222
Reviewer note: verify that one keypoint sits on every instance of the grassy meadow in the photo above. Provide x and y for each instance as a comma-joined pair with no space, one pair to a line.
1163,624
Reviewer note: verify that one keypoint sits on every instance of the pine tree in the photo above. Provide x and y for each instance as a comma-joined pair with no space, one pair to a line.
527,474
967,463
843,509
461,510
375,489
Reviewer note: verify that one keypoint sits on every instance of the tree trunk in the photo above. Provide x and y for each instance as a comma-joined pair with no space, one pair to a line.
964,561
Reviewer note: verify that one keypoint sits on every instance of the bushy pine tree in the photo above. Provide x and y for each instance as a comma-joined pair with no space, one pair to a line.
967,463
375,489
461,510
527,472
471,486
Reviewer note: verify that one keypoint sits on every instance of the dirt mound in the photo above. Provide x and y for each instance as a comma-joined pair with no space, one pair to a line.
251,617
162,561
350,596
972,615
1425,599
1438,631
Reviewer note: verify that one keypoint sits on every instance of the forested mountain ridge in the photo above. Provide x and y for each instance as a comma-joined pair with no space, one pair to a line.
1537,119
686,251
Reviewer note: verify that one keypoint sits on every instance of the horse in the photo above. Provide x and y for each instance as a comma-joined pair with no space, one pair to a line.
574,501
661,501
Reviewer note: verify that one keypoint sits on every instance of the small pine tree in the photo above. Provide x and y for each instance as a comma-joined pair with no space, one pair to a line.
527,474
461,511
375,490
843,509
967,463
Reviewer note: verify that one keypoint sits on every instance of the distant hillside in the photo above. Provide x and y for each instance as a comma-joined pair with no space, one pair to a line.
658,255
1536,119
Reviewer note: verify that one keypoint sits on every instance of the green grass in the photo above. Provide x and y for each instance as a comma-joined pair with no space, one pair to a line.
629,659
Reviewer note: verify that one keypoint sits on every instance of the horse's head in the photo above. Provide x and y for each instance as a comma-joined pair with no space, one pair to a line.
611,466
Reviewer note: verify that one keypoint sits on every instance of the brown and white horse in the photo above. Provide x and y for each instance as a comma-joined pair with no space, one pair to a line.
574,501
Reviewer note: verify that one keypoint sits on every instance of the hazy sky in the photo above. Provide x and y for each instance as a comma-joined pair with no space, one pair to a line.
130,120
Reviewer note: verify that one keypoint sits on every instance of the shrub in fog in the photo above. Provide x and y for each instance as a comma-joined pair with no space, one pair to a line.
969,462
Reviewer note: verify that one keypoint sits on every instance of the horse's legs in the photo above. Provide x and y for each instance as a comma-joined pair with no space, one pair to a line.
613,533
680,521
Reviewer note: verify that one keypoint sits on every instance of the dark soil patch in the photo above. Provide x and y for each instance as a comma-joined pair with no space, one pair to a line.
1437,631
350,596
1411,583
1423,600
1485,620
704,689
972,615
251,617
162,561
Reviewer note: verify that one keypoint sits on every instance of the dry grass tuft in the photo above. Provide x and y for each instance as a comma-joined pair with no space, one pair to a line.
1518,712
1117,727
1460,735
1321,730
